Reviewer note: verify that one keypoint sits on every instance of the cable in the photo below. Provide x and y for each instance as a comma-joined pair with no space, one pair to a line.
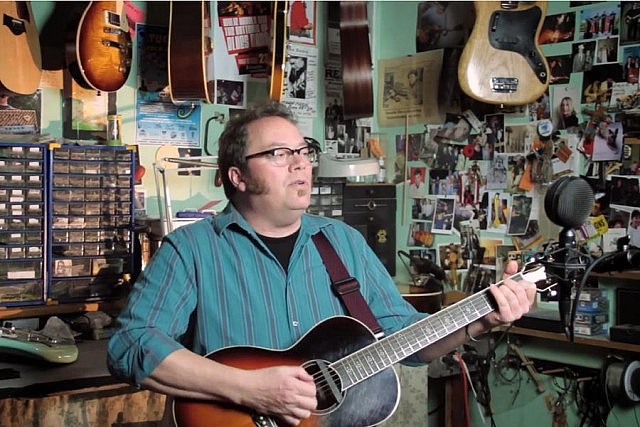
465,370
465,388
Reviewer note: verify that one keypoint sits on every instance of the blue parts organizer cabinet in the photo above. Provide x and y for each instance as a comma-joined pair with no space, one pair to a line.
23,170
90,228
66,223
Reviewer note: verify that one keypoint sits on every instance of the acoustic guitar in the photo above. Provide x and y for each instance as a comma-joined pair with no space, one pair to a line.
355,380
99,57
357,76
190,48
19,49
502,63
279,49
35,345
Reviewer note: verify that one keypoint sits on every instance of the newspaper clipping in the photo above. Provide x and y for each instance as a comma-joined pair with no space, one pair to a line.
409,89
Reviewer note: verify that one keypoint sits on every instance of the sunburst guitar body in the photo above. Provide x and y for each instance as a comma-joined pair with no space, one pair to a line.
100,55
502,62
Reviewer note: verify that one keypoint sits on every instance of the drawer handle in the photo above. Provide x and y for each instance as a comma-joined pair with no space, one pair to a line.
372,205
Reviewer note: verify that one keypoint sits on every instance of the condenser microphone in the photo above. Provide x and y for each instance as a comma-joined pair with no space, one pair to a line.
568,203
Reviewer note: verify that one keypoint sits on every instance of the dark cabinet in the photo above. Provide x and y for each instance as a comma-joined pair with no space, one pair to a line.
371,209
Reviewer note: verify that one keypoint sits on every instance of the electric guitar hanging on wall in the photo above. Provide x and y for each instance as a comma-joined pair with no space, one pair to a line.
99,56
190,49
36,345
355,381
502,62
21,59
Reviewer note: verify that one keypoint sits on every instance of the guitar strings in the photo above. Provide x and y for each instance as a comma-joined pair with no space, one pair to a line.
416,332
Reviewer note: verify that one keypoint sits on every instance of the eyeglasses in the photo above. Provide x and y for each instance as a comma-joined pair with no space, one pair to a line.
282,156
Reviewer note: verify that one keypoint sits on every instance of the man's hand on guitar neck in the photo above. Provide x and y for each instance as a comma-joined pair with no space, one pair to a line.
514,299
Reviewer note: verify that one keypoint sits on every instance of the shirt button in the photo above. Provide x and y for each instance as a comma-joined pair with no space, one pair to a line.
295,323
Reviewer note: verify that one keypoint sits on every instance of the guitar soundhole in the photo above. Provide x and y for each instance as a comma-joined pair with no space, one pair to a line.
328,385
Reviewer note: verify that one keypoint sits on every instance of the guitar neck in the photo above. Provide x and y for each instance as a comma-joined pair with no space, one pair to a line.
378,356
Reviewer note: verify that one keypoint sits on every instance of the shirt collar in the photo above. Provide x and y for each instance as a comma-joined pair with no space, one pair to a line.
230,216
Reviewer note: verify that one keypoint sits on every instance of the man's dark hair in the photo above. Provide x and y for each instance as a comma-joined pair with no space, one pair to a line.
635,213
232,144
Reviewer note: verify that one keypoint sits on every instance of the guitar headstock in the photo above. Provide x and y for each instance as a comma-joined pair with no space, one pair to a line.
536,273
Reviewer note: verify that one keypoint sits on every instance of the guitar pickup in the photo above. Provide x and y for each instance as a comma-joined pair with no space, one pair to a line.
112,30
504,84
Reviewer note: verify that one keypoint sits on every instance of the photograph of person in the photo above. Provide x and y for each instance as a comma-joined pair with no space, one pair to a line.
607,50
441,24
62,268
583,55
417,185
599,22
559,69
630,22
566,99
301,21
557,28
443,216
495,130
634,228
520,213
423,209
297,77
631,57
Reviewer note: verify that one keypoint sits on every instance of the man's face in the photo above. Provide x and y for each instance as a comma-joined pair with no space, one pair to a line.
635,221
272,188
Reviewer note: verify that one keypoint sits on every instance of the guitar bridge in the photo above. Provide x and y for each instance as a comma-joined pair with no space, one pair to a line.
504,84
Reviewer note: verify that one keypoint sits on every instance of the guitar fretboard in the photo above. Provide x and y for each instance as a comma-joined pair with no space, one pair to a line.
394,348
372,359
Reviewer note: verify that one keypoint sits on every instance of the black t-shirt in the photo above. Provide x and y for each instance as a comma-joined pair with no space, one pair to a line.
282,247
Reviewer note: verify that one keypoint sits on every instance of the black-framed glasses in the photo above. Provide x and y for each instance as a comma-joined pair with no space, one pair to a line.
282,156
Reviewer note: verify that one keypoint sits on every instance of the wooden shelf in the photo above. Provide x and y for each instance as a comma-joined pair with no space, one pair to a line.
55,309
630,274
596,341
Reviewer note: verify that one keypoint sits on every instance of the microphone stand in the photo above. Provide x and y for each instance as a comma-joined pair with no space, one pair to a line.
567,264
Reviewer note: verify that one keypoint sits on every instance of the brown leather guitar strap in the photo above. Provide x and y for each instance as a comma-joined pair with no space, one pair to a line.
345,286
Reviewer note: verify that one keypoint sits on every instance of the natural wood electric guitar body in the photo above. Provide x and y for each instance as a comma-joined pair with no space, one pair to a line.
502,62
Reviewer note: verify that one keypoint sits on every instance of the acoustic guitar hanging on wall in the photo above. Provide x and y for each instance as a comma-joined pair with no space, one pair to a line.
502,62
189,52
278,48
19,49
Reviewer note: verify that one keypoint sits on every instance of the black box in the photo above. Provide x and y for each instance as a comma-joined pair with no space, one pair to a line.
542,320
625,333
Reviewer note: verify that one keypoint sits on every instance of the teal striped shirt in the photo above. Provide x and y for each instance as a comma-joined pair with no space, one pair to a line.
216,279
